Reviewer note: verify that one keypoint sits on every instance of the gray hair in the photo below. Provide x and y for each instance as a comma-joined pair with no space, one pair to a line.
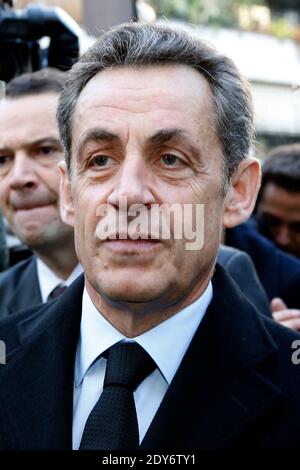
136,45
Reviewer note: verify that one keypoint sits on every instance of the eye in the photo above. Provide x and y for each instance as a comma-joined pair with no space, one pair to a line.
47,149
4,159
6,162
102,161
270,220
171,160
295,227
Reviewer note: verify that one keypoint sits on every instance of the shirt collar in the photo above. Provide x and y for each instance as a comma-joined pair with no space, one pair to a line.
48,280
166,343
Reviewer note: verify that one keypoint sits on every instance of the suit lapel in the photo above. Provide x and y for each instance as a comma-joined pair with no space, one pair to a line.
217,393
28,291
43,403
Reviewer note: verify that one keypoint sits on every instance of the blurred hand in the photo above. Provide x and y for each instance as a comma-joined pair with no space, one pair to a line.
289,317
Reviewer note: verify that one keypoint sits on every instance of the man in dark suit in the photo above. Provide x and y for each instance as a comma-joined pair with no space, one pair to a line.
30,150
278,204
241,268
277,217
278,272
155,346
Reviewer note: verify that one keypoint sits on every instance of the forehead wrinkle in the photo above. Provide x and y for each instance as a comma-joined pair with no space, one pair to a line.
134,105
125,97
143,78
28,116
22,142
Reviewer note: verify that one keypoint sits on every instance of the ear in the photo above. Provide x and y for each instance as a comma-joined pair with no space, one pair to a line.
241,196
66,199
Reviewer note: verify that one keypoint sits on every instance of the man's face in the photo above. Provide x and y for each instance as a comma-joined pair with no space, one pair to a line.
279,215
29,177
146,136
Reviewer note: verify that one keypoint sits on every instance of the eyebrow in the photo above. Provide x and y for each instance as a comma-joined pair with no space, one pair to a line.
96,135
35,143
165,136
160,138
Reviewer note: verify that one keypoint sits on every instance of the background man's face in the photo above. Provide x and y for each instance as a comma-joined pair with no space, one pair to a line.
146,135
29,177
279,215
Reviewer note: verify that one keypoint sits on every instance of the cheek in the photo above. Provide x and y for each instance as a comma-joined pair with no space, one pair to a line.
50,178
85,214
187,192
91,190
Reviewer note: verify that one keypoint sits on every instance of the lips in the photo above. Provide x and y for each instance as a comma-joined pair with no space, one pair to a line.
132,237
27,207
133,248
19,203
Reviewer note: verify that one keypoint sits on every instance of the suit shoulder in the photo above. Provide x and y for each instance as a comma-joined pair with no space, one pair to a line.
281,334
228,254
16,330
12,276
287,342
26,325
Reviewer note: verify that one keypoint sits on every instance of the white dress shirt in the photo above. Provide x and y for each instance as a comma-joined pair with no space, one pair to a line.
48,280
166,344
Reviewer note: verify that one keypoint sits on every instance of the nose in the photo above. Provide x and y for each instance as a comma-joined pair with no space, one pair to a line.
282,237
23,174
132,184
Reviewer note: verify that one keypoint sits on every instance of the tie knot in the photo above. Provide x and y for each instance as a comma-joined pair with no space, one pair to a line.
57,291
128,364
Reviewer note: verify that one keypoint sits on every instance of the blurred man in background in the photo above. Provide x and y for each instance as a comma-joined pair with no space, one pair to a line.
277,218
30,150
278,205
278,215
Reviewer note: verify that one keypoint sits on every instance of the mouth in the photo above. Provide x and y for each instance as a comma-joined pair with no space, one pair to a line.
30,206
31,215
132,247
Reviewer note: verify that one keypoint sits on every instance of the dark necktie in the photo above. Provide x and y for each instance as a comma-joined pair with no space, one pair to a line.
112,423
56,292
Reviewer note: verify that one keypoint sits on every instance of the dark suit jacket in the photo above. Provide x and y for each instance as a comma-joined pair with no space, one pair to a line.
278,272
3,247
242,270
19,287
236,387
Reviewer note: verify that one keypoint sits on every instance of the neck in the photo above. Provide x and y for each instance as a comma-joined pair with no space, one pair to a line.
134,319
61,260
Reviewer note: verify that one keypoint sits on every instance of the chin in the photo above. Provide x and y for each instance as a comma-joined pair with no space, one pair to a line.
32,240
131,291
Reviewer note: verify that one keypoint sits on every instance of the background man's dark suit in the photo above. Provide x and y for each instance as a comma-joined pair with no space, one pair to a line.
242,270
235,388
19,287
278,272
